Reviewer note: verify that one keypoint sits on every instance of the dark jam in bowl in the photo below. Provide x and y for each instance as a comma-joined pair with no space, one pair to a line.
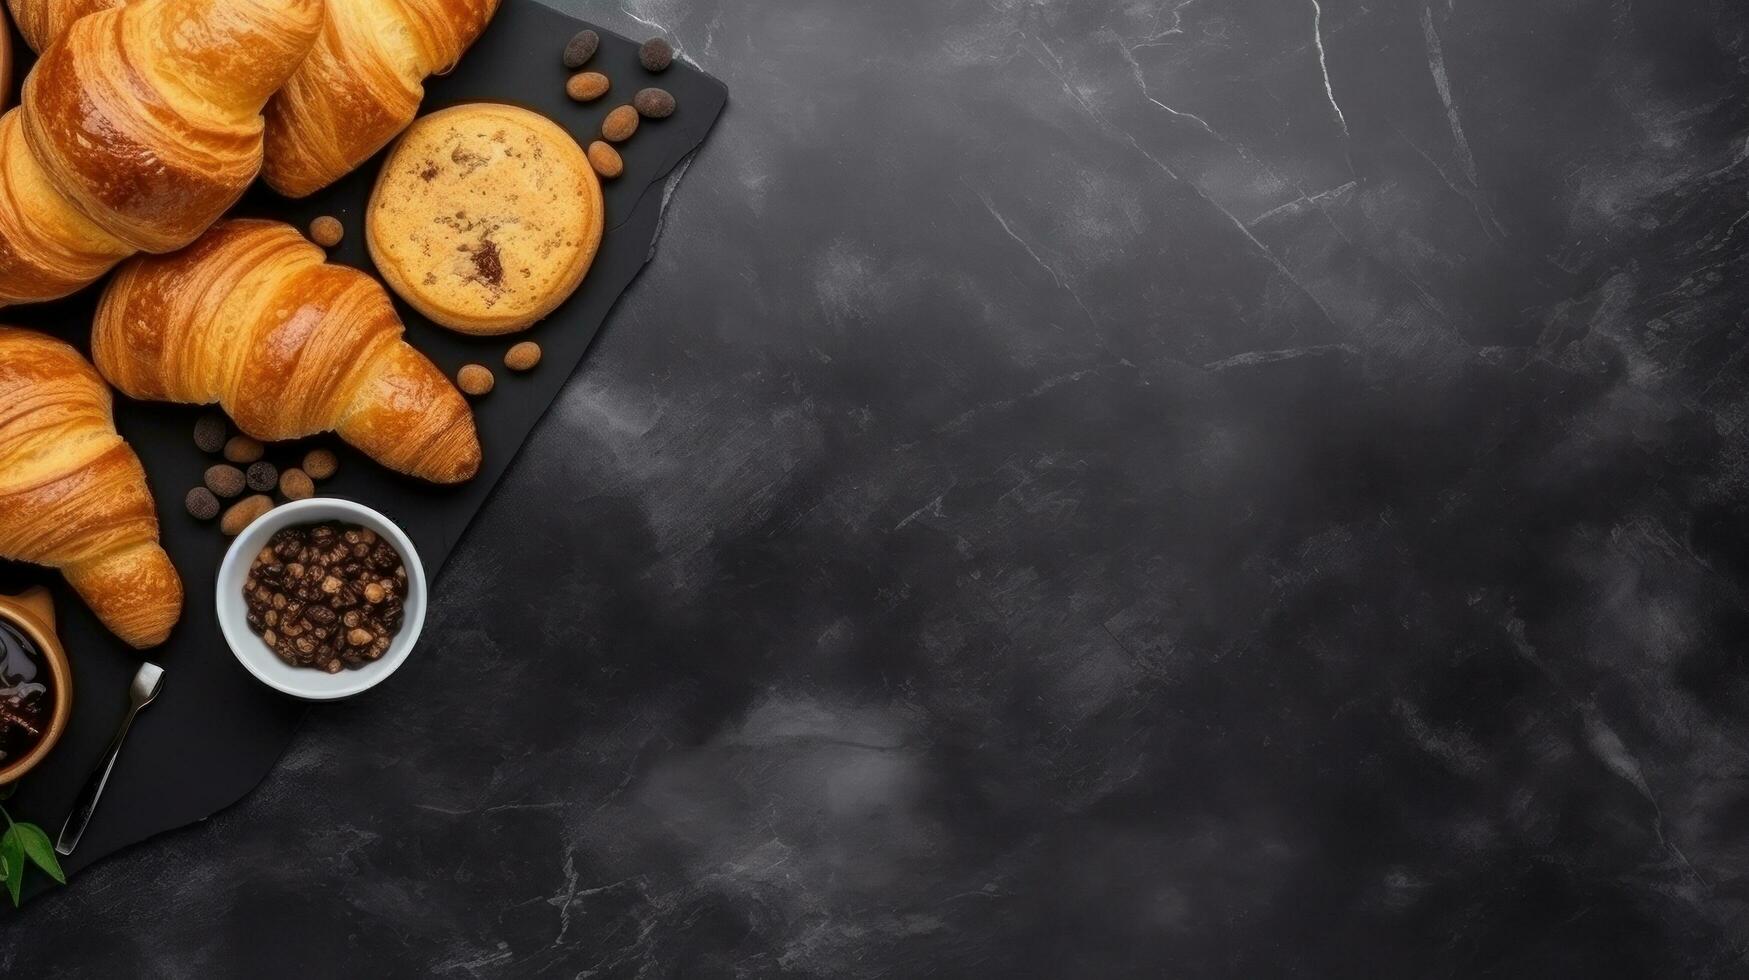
27,695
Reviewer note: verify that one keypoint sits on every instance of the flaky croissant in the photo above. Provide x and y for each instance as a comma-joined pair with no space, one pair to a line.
73,495
41,21
137,129
362,85
252,318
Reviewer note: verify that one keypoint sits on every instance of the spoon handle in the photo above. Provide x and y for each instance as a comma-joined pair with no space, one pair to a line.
86,803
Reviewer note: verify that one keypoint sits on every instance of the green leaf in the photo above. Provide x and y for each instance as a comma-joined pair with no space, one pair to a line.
40,851
12,852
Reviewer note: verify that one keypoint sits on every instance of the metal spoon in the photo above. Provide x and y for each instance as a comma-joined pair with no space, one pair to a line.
147,681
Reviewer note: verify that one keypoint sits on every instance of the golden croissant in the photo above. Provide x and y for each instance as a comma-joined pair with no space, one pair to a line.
252,318
137,129
41,21
362,85
73,495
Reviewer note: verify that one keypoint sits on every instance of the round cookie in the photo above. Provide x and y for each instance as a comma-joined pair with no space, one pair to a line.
485,217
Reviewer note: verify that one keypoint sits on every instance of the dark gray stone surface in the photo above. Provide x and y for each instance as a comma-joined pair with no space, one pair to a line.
1085,488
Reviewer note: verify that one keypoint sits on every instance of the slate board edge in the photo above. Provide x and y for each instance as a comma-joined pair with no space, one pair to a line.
647,220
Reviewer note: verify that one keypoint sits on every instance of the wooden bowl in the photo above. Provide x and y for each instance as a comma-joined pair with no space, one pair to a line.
33,614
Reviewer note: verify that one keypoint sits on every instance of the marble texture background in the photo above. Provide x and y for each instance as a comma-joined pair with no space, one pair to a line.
1085,488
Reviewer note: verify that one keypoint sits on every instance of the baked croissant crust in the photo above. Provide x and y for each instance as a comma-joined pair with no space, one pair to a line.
137,129
41,21
251,317
362,84
73,495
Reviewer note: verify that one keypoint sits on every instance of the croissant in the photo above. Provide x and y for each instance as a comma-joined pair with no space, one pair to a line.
251,317
73,495
137,129
362,85
41,21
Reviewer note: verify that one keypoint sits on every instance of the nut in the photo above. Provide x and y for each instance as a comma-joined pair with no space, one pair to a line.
225,480
306,591
582,47
244,513
262,477
524,356
295,484
475,379
201,504
656,54
321,464
587,86
210,433
605,160
327,231
244,450
620,124
653,103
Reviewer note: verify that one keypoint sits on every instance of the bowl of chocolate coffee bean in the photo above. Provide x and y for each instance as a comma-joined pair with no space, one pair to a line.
321,599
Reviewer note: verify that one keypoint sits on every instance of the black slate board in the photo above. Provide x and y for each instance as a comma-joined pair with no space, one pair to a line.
214,732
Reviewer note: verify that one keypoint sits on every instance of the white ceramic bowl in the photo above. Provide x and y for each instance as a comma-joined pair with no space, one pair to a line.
307,682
